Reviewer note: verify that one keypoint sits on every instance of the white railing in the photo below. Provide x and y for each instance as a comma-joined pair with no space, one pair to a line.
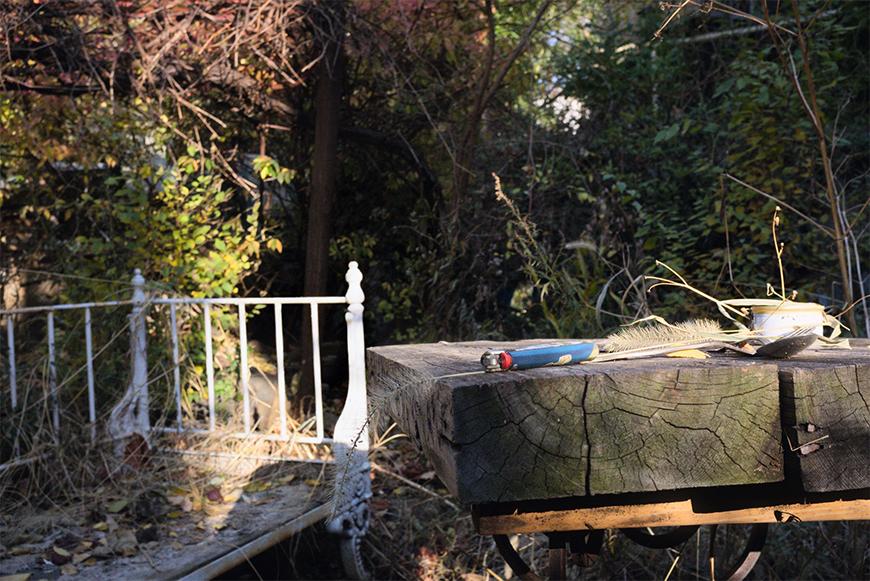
135,417
278,303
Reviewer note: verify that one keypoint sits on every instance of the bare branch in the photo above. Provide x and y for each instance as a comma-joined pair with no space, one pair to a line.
786,205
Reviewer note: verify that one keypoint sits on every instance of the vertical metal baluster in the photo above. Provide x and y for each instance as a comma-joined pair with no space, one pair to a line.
89,362
279,352
209,367
243,367
352,490
52,377
176,369
315,355
13,382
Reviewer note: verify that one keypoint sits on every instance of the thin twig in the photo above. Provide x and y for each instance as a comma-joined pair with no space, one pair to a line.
786,205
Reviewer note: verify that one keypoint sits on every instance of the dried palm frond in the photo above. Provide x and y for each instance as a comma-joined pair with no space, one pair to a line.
661,334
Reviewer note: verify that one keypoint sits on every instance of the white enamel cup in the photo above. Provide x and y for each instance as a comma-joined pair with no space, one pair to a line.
778,320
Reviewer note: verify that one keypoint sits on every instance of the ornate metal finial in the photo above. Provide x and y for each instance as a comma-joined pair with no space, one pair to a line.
354,277
138,286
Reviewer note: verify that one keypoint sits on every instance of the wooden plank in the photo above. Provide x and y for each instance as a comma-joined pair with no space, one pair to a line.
252,526
627,426
238,555
826,413
677,513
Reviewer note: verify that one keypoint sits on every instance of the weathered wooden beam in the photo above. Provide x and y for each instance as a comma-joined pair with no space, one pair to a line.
826,416
679,513
609,428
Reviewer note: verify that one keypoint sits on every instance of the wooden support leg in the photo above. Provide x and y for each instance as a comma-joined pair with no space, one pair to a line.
558,569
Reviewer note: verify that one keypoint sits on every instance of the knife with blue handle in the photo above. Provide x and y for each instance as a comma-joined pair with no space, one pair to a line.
538,356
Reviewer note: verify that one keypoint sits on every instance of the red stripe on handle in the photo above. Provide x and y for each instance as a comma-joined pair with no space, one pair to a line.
505,360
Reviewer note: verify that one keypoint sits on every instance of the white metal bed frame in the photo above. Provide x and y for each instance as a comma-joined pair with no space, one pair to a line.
351,489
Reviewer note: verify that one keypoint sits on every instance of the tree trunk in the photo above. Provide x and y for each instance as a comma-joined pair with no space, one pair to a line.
327,103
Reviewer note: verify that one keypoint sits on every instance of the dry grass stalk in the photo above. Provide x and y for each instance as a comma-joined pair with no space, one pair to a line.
662,333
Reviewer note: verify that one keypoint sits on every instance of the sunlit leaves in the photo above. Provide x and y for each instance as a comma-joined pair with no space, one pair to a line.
268,170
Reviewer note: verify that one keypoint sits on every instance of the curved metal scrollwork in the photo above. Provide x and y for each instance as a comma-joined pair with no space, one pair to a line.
513,559
748,558
663,541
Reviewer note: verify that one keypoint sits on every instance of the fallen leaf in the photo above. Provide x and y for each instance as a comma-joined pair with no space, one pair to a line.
216,481
176,500
101,526
117,506
58,555
69,569
174,514
430,475
26,538
688,354
16,577
90,562
233,496
258,486
83,546
81,557
21,550
173,534
312,482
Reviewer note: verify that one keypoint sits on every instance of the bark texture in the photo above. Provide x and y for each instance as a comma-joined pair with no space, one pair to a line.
324,170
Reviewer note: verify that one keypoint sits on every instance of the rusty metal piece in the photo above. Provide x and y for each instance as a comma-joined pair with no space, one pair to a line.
748,558
586,545
513,559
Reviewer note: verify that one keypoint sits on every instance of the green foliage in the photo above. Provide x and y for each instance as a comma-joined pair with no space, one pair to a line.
269,169
666,121
608,142
88,192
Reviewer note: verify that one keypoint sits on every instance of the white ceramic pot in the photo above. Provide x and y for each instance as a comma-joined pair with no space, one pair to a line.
778,320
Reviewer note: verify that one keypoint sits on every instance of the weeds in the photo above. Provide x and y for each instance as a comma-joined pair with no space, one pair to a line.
416,533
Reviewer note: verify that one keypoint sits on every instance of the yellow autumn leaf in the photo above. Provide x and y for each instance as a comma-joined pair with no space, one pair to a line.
689,354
